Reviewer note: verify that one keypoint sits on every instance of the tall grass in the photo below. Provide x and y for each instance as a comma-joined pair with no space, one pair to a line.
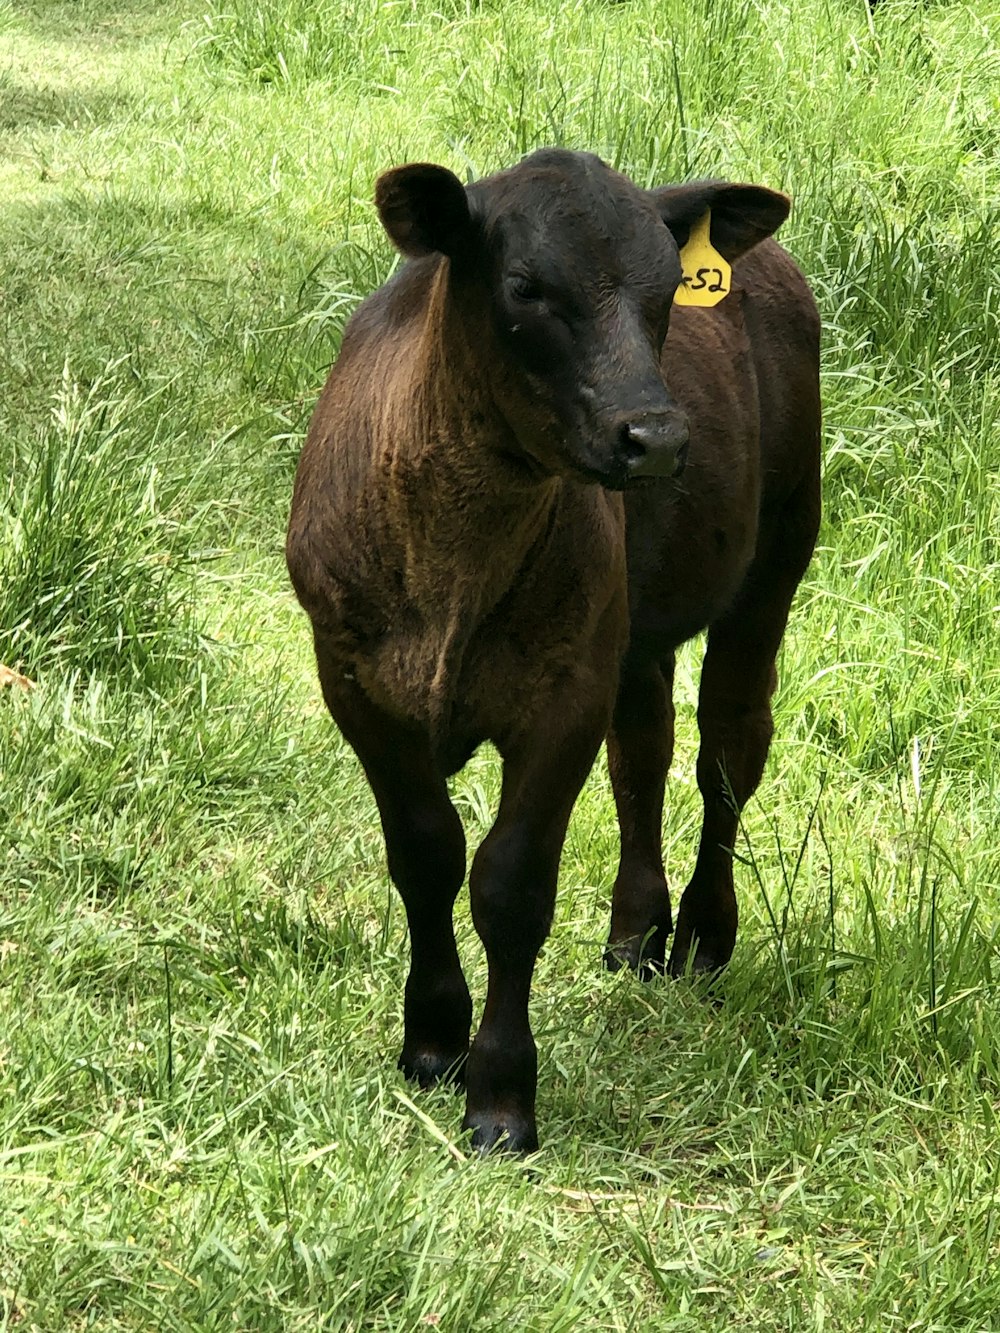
201,1125
98,543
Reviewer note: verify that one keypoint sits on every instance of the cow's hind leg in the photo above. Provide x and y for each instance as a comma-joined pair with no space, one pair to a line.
640,746
425,848
734,717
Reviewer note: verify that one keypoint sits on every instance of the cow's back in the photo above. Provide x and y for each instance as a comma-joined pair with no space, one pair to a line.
784,329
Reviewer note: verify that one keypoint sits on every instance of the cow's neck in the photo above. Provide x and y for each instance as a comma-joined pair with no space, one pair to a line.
468,515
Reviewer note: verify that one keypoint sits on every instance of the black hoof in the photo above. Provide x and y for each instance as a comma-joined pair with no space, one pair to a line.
428,1067
643,955
707,960
512,1134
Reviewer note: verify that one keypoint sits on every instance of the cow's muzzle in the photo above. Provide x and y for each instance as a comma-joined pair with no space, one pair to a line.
655,444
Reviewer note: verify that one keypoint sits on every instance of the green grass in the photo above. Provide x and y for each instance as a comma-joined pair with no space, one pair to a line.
201,1125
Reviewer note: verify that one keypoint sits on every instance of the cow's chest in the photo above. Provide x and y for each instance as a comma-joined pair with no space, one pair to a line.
467,670
467,680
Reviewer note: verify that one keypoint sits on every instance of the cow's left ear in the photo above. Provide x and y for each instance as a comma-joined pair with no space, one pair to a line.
424,209
742,215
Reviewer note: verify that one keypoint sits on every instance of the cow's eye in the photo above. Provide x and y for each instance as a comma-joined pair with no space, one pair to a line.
526,290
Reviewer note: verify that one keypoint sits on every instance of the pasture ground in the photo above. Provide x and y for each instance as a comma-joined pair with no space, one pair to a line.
201,1125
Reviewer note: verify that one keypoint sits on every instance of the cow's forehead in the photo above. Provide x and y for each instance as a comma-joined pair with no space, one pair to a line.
555,188
565,209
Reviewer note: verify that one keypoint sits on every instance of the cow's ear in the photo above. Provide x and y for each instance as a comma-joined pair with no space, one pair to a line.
424,209
742,215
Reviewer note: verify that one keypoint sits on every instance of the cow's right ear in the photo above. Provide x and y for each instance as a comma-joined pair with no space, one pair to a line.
424,209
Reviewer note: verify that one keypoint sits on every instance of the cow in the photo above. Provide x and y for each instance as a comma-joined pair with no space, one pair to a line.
529,478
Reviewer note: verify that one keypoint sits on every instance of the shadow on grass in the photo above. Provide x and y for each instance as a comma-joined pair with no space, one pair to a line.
174,284
101,19
27,107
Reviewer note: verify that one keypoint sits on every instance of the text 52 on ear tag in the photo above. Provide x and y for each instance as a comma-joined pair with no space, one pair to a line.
707,277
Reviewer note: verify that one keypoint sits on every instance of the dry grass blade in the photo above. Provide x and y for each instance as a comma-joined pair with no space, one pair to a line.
14,679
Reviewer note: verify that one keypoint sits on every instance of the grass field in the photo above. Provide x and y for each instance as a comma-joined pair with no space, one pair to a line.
201,1124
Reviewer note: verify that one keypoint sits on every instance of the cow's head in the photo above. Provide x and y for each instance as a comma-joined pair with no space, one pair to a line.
563,274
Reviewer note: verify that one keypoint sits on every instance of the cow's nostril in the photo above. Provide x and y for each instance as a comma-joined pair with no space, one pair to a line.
633,446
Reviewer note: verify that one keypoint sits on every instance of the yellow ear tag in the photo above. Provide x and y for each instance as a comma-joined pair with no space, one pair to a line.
707,276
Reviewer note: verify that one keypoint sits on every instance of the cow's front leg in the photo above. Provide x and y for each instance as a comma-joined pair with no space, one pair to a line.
425,848
513,887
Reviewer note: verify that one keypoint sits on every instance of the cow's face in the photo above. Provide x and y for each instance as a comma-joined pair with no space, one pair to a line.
562,279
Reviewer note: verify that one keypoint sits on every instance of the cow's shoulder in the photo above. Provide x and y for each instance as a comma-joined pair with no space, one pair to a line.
395,306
